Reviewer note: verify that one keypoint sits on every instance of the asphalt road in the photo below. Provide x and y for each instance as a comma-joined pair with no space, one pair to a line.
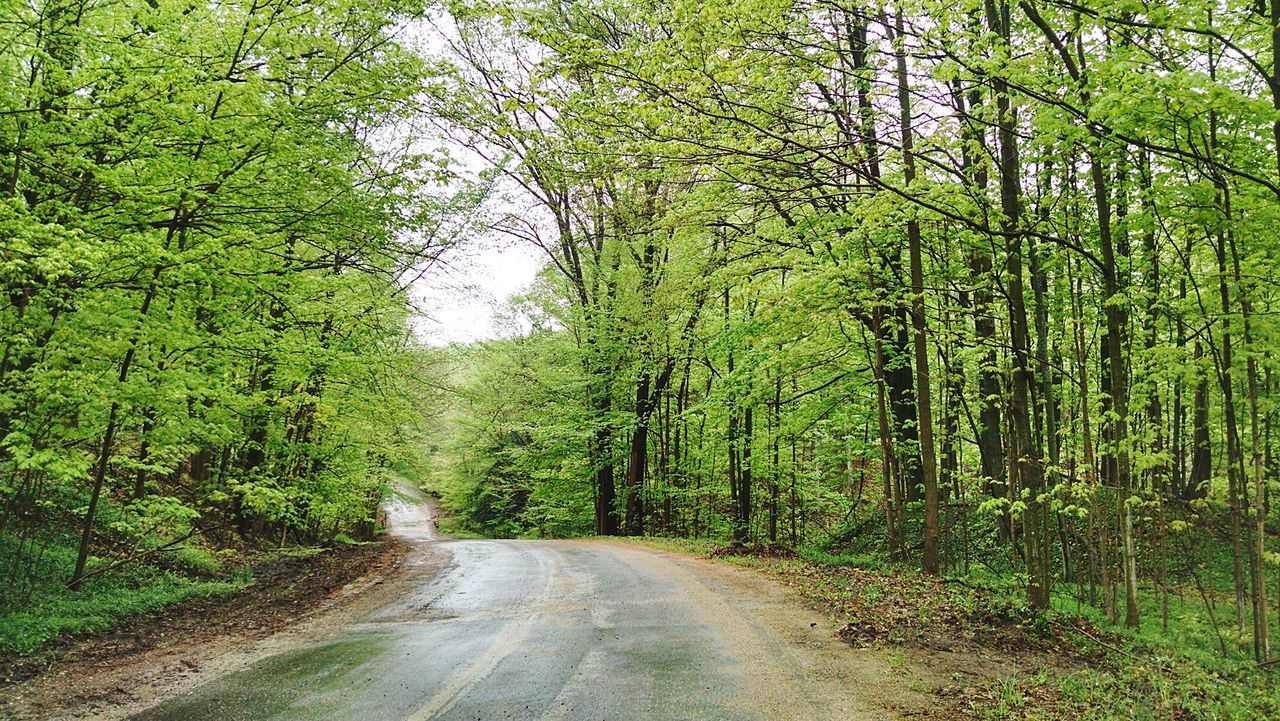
572,630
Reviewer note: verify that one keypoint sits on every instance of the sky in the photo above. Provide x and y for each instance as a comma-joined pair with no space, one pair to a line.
461,300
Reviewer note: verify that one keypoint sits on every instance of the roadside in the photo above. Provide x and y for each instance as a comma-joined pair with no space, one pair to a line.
945,654
293,600
957,644
979,653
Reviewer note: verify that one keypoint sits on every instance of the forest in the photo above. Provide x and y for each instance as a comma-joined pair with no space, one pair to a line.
207,229
984,288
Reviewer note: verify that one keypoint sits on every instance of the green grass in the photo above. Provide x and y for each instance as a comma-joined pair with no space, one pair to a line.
695,546
1156,673
197,560
1159,673
99,607
1175,673
48,609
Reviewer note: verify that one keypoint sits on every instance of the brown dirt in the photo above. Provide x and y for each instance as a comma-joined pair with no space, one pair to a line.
80,677
957,653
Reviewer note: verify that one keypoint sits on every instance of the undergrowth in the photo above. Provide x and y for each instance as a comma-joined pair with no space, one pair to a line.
49,609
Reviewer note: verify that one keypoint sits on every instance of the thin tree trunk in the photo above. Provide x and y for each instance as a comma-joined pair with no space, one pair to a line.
1027,458
930,562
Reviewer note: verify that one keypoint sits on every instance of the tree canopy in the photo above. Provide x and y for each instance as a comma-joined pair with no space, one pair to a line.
985,282
206,235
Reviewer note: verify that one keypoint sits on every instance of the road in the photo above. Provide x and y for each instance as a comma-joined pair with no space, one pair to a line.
559,630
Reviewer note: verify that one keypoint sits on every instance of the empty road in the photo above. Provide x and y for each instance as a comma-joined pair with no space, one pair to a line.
563,630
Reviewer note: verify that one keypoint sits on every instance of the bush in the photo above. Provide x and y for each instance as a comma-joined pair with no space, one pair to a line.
197,560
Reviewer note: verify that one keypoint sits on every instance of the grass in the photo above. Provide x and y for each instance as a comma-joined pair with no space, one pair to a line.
99,607
1151,673
45,609
695,546
1178,673
1182,690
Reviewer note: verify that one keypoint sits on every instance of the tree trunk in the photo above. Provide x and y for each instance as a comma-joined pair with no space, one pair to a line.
1027,456
928,464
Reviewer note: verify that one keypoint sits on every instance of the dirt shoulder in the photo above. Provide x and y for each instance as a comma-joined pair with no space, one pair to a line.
947,651
158,654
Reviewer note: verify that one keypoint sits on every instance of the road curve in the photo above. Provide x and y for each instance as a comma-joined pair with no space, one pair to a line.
558,630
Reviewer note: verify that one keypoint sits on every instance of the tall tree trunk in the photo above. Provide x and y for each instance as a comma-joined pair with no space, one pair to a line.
744,474
1116,315
990,443
775,434
638,460
928,470
109,435
606,493
1201,446
1027,455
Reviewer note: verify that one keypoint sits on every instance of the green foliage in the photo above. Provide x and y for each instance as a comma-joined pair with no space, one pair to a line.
196,560
49,616
986,287
206,243
509,461
50,609
1145,692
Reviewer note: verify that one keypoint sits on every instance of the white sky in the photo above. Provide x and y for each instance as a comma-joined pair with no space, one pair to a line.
461,300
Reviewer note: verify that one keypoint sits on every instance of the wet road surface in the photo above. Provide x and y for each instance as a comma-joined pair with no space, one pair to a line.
557,630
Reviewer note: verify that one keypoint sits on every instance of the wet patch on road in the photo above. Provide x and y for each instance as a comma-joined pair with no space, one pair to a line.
273,687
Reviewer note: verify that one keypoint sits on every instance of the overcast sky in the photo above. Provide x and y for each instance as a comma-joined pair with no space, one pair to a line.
461,300
465,296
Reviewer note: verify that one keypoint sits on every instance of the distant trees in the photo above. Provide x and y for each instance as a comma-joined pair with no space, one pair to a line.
1028,243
